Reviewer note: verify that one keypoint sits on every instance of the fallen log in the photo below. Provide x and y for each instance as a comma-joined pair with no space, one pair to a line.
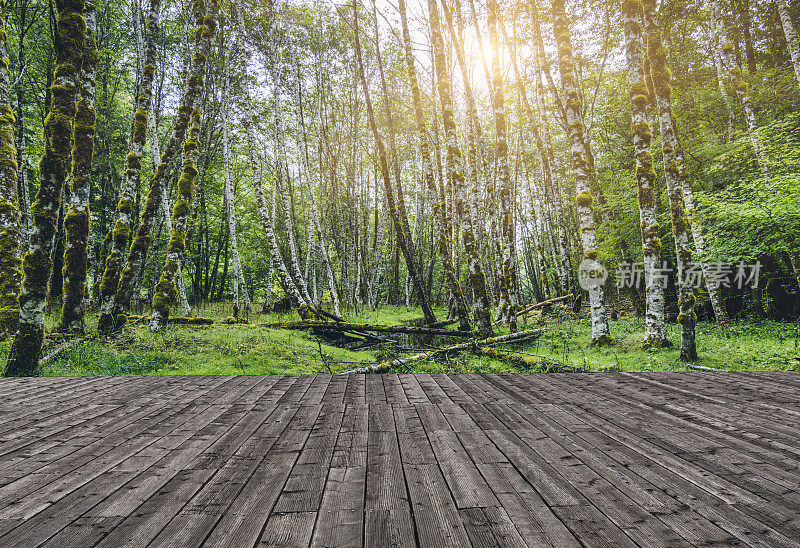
175,320
526,362
444,323
398,362
543,304
361,327
63,348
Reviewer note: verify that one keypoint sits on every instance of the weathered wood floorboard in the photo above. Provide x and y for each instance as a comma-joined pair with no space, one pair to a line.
651,459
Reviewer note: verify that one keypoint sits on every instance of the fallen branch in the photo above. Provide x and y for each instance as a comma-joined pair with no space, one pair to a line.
709,330
527,362
703,368
63,348
175,320
444,323
543,304
361,327
399,362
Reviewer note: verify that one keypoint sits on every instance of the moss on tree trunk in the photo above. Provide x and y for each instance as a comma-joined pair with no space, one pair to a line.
70,31
110,280
77,220
10,230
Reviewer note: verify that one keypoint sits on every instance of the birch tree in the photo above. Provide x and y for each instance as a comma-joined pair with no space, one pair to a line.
580,166
675,176
508,296
70,32
655,330
110,281
740,86
239,284
10,229
77,220
791,36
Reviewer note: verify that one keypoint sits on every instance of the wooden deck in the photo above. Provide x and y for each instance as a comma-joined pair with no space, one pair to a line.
433,460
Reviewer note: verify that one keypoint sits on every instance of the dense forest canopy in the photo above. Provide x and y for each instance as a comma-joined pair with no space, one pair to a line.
476,155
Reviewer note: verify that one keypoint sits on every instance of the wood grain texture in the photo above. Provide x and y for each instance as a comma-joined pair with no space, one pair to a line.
649,459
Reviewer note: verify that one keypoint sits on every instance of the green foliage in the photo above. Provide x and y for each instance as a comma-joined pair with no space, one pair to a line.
753,217
222,349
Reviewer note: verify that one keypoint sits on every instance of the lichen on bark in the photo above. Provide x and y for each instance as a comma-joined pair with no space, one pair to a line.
10,230
166,291
77,220
70,30
110,281
655,327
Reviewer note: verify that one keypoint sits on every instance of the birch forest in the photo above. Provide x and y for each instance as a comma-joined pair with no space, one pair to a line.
278,186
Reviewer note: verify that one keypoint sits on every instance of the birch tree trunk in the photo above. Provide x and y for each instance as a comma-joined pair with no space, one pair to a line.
560,241
508,296
454,169
714,292
655,334
384,167
727,100
480,298
70,30
77,221
575,137
238,278
26,225
10,230
110,281
791,36
740,86
315,226
166,290
670,144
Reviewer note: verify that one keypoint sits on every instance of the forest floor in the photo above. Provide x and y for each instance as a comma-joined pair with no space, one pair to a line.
252,349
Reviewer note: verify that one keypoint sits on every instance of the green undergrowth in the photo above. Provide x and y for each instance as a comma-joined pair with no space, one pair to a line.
251,349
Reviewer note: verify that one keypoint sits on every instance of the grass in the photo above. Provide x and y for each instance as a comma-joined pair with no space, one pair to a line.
252,349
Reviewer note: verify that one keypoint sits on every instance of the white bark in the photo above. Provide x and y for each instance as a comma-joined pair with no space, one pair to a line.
740,86
655,329
670,147
714,292
239,284
791,36
578,149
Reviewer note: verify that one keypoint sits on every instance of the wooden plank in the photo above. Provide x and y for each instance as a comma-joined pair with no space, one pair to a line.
436,517
289,530
489,527
387,509
340,520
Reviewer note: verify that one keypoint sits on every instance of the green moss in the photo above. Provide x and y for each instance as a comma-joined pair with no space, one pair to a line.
603,341
584,199
139,128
